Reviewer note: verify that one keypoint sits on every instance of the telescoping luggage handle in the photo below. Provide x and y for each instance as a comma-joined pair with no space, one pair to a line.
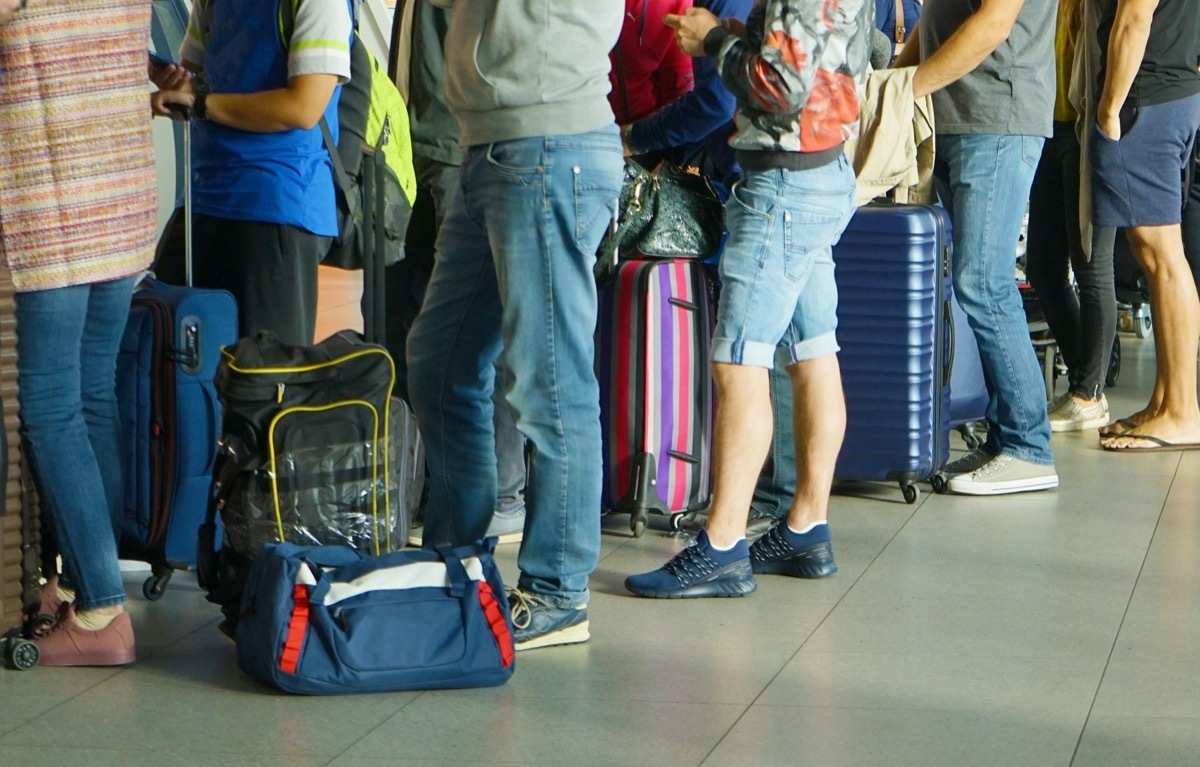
186,114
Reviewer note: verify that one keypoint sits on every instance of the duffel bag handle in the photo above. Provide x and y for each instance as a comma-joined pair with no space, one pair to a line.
456,571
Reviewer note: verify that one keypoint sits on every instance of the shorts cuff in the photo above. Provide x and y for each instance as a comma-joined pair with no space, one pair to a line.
734,352
811,348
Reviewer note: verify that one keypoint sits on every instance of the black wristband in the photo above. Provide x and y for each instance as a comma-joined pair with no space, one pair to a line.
200,104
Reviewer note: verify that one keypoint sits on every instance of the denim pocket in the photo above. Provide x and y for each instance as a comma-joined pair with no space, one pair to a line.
752,201
520,160
803,232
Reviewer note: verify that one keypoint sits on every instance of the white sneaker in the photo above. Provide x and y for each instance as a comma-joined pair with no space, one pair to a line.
967,464
1077,415
1005,474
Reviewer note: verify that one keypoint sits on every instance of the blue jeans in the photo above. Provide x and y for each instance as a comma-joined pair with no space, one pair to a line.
514,272
984,182
67,343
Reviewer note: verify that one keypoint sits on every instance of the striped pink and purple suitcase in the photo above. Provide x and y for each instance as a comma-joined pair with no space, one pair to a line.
656,393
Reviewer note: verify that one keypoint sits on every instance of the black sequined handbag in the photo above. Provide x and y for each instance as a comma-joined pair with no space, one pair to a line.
689,217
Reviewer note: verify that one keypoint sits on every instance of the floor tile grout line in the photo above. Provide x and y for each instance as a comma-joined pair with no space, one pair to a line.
814,630
1121,624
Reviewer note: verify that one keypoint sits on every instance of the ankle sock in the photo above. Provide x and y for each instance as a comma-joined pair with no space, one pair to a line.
94,620
815,533
734,553
65,593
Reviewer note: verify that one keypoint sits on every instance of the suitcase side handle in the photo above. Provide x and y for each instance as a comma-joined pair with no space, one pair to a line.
948,324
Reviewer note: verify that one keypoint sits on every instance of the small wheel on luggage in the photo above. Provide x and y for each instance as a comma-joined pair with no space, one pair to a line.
1114,363
677,520
1143,325
911,492
638,525
21,654
155,586
938,482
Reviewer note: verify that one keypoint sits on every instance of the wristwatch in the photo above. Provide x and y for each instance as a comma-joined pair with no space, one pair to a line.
200,104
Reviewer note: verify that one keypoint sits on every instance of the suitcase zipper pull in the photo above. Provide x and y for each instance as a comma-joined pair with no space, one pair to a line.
279,387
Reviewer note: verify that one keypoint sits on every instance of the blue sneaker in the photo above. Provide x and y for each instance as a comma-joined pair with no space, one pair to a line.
698,571
801,555
538,624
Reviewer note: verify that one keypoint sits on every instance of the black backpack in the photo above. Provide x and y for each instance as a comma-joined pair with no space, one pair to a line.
314,451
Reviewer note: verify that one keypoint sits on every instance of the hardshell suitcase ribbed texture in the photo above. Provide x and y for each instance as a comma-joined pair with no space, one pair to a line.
896,333
656,395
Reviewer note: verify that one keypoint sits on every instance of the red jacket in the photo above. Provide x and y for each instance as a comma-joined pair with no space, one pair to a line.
648,69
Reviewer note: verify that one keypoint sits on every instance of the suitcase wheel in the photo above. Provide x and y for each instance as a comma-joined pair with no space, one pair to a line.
677,520
637,523
21,654
911,492
156,585
938,483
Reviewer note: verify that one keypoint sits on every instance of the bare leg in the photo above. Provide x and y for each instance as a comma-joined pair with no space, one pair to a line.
1175,417
740,443
819,424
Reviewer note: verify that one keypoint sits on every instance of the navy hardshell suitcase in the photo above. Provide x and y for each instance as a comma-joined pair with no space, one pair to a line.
895,329
170,413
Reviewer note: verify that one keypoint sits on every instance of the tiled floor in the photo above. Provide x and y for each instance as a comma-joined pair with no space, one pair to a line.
1045,630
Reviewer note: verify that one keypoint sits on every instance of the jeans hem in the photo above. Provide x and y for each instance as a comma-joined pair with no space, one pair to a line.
1028,457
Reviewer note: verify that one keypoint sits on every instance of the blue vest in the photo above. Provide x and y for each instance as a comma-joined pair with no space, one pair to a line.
279,178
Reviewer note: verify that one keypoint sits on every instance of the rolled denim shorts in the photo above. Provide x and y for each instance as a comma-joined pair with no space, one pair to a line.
778,300
1138,179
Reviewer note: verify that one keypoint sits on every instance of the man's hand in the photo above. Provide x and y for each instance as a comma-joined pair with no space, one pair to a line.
1110,126
160,102
691,28
169,77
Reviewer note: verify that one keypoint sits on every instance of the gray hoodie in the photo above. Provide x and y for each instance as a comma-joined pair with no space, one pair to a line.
521,68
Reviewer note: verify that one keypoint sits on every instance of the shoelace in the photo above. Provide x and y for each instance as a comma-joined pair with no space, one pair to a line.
521,604
689,565
60,620
999,463
772,545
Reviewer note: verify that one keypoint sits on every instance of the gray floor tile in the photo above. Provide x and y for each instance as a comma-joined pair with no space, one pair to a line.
494,727
119,757
1151,689
1063,628
192,698
937,682
1126,741
849,737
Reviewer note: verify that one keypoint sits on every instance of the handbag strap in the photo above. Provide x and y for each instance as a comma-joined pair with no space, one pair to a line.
456,571
899,30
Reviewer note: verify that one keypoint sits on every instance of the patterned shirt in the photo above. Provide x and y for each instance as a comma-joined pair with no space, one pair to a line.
797,74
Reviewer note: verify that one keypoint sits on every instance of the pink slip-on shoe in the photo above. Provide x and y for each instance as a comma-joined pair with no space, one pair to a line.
69,644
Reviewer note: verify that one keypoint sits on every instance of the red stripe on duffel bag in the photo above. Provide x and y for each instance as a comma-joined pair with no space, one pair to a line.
289,659
495,619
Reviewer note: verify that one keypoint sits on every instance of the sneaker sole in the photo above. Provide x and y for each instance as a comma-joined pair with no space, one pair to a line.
570,635
1084,425
1005,488
738,588
112,658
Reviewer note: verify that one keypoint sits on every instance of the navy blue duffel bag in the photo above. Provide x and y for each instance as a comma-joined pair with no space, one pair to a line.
328,619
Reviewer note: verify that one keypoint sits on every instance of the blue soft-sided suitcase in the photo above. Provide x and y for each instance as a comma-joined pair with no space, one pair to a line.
171,418
896,333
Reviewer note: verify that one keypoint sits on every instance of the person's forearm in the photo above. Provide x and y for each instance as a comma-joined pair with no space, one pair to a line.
274,110
973,42
1126,48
